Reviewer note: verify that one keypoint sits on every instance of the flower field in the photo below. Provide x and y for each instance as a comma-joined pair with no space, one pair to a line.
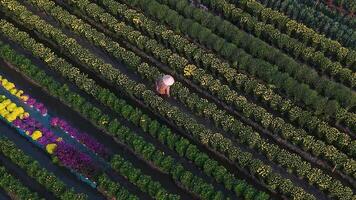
263,105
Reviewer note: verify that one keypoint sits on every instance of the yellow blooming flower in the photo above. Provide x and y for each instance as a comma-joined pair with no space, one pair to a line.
19,93
26,114
136,21
189,70
50,148
11,107
19,110
4,81
36,135
8,86
13,91
24,98
3,112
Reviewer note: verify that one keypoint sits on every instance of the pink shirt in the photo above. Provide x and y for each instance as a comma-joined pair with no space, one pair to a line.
161,87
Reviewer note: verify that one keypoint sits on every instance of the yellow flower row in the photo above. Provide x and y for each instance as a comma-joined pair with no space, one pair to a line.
10,111
9,86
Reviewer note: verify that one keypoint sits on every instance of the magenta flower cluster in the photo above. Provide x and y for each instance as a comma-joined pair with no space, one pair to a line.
36,105
82,137
75,160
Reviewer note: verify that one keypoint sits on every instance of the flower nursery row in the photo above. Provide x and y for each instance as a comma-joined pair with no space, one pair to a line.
298,31
66,154
135,176
72,68
235,126
159,131
157,158
13,187
289,86
33,169
240,41
317,20
340,17
221,91
181,92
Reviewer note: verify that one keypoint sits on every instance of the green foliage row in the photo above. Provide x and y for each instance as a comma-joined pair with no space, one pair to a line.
138,178
349,5
179,144
339,17
14,188
126,31
33,169
121,133
260,68
296,30
114,76
144,182
210,62
209,23
268,32
210,110
314,19
113,190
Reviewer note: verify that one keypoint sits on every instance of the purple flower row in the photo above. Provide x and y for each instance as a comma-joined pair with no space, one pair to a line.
36,105
29,125
82,137
66,154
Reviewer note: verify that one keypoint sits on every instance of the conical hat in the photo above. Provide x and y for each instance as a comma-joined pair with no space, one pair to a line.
168,80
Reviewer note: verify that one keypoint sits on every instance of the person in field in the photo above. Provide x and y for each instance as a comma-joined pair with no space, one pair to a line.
163,84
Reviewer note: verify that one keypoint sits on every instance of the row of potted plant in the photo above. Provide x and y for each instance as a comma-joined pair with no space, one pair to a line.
66,156
292,28
9,111
124,30
139,91
317,20
321,7
14,188
82,137
95,115
156,129
61,152
258,48
222,116
10,87
255,67
33,169
134,175
329,134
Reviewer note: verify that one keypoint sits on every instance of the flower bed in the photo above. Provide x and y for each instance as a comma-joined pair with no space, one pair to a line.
10,87
47,179
67,155
83,138
177,143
